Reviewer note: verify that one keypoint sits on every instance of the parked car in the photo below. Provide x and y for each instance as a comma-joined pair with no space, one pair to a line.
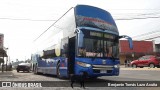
146,61
24,67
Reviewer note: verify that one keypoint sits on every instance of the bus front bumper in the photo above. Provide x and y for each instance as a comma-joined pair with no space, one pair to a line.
98,70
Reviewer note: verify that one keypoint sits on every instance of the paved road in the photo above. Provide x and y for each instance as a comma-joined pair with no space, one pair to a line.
136,74
25,76
126,74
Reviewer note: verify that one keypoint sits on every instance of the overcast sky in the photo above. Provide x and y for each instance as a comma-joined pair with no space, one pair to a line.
22,21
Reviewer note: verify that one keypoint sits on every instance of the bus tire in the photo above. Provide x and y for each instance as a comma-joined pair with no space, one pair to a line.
58,72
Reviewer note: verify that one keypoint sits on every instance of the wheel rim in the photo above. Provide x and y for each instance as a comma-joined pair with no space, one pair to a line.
151,65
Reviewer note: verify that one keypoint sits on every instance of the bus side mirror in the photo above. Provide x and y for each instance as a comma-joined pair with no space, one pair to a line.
129,40
80,38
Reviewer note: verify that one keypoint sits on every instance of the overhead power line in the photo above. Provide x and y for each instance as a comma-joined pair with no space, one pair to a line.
145,34
137,18
52,24
136,9
136,14
152,38
131,16
25,19
55,20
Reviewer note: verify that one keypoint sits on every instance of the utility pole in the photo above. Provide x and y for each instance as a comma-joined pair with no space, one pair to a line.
6,62
6,58
3,63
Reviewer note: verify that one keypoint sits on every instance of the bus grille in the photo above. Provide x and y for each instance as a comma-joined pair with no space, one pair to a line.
102,68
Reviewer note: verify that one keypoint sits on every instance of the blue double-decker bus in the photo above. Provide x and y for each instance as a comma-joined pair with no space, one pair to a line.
84,39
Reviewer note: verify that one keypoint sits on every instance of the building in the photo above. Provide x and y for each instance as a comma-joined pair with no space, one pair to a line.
140,48
157,48
2,51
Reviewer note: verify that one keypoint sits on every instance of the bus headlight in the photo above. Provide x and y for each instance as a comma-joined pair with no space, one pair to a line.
116,66
83,64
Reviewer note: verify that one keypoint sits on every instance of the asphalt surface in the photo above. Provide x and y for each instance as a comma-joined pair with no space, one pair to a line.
126,74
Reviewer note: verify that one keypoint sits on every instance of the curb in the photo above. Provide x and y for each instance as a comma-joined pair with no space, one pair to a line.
145,68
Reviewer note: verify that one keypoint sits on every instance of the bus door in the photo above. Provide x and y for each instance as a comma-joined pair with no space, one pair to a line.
64,46
71,55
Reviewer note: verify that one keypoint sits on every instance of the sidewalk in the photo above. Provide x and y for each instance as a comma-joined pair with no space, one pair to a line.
122,67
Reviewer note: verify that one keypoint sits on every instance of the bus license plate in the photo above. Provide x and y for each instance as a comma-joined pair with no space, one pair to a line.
103,71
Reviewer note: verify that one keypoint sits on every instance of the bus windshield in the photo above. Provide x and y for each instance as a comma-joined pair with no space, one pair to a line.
99,45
